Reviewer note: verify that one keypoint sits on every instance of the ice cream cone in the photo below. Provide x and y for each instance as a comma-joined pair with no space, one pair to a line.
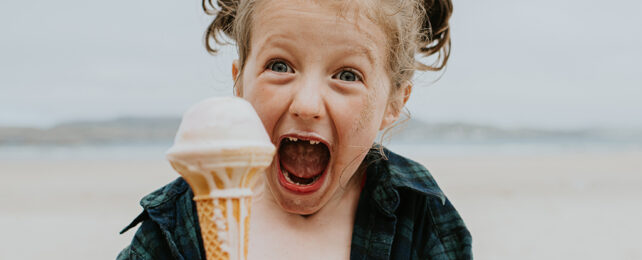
210,213
222,165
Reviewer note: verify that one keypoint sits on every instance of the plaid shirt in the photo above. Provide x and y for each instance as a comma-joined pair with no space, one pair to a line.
402,214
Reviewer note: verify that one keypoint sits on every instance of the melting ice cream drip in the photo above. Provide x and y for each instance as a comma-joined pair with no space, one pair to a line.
221,232
228,229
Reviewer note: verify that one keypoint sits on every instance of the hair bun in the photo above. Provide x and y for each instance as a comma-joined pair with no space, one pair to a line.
435,32
223,23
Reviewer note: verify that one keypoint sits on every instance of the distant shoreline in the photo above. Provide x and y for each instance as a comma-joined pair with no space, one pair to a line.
145,131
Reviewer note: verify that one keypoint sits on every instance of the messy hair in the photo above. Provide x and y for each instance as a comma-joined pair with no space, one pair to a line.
412,26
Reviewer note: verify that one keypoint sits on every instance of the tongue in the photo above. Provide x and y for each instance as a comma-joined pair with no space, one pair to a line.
303,159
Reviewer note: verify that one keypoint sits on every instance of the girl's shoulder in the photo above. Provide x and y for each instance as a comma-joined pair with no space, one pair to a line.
168,226
388,170
406,207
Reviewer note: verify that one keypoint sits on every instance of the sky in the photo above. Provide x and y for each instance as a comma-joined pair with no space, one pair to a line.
548,64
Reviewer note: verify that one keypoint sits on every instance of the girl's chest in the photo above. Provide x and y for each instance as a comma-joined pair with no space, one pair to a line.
273,238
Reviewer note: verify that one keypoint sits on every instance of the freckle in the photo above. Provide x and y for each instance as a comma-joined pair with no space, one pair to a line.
366,113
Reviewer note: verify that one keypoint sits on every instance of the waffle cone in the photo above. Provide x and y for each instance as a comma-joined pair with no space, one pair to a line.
223,200
215,246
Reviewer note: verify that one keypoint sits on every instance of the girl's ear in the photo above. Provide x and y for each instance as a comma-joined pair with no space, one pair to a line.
235,74
396,104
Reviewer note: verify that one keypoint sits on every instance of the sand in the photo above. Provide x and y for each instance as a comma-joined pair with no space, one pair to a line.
561,206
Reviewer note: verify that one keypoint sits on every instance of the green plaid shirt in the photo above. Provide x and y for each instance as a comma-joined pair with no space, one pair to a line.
402,214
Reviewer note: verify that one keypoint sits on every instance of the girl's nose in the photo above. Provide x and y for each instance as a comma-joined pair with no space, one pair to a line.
308,101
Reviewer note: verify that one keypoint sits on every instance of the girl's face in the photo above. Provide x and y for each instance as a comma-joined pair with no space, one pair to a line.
319,84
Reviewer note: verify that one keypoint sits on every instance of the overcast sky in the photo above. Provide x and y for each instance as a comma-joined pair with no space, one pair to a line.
549,63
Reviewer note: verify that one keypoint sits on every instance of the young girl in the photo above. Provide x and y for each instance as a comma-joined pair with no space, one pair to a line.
325,77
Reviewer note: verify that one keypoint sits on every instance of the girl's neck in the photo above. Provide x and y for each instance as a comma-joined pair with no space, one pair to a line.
342,204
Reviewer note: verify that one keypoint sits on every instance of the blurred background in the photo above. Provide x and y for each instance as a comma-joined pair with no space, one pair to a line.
534,131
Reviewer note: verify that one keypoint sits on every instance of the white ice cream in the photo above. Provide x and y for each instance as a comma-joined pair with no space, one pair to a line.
225,136
219,124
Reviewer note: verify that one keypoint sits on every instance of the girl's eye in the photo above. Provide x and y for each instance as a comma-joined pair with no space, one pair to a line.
347,75
279,66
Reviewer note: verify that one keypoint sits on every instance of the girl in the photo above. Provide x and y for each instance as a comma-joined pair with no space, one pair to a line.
325,77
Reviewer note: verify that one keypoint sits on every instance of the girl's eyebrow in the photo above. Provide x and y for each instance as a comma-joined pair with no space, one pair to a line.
282,41
361,51
277,40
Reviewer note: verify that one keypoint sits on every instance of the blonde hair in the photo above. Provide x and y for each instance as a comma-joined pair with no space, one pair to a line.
413,27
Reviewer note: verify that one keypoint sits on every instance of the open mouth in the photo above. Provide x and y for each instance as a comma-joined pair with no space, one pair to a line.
302,163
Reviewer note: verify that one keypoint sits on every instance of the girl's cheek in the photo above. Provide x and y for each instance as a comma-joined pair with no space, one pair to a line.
362,111
270,103
350,117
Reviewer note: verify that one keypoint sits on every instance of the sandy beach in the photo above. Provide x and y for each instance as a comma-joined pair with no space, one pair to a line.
528,206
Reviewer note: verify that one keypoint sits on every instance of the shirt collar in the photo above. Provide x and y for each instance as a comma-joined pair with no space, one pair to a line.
160,204
166,193
392,173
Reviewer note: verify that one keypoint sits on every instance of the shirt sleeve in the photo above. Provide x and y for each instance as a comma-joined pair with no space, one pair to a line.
451,238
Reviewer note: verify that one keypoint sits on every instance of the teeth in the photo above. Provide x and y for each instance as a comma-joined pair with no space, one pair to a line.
294,139
286,174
